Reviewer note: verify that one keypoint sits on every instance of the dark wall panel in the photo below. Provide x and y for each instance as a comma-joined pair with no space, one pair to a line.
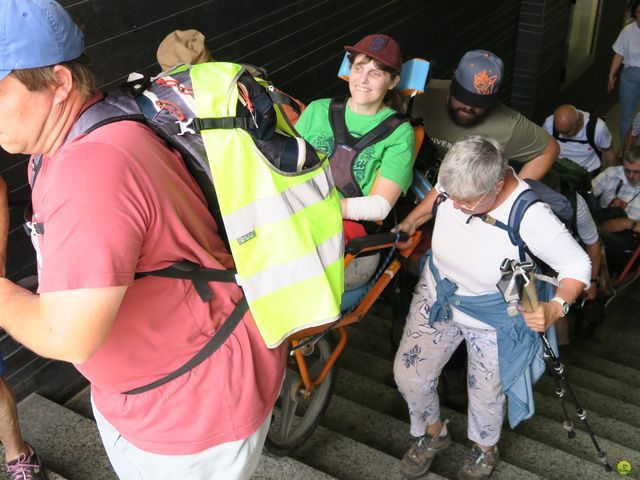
539,70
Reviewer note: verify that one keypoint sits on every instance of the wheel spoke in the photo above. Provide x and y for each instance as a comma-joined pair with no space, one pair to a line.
289,402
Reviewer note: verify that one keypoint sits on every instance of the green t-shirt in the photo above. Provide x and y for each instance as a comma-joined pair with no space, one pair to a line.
521,139
392,156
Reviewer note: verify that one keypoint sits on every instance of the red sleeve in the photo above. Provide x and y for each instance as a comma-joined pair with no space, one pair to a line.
96,209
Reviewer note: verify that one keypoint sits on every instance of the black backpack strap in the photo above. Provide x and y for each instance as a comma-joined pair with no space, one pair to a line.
210,347
436,204
382,131
520,206
341,135
199,276
591,133
281,98
196,125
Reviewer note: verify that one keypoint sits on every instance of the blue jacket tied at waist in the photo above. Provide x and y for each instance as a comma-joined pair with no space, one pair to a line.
520,354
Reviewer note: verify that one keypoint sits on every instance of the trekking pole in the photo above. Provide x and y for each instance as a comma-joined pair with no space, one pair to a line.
557,370
530,302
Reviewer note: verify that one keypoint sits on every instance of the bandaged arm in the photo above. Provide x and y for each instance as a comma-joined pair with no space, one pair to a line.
375,206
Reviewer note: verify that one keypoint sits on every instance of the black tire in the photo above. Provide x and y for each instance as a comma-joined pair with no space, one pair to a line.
304,415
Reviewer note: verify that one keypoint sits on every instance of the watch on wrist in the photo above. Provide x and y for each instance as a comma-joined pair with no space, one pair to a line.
563,304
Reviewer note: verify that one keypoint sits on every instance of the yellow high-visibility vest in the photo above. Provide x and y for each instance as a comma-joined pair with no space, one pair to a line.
284,229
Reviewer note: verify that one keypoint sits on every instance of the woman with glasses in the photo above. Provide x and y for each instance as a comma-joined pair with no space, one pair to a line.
457,300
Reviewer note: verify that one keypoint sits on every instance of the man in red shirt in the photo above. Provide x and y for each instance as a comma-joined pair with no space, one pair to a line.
107,205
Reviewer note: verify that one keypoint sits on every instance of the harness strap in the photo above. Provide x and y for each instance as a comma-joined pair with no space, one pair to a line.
591,133
196,125
210,347
519,208
347,148
341,135
199,276
283,99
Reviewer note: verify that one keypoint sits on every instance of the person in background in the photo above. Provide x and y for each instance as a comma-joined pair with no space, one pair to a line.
571,127
618,192
626,51
469,105
21,461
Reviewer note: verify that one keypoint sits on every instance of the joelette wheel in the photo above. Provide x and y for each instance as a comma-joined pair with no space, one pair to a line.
296,416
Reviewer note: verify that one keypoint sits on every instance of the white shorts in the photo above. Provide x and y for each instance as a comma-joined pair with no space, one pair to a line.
229,461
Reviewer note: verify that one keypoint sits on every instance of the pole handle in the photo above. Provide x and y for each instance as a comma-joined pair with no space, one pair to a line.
530,298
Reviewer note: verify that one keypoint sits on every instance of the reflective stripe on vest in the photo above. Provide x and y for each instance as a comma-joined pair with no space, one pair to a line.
285,230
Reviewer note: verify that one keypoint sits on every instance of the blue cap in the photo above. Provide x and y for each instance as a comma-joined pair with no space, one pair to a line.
36,33
477,79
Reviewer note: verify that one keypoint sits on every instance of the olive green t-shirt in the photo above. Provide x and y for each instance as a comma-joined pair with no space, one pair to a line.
521,139
391,156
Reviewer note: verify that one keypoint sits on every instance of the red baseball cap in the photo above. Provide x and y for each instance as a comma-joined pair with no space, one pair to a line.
379,47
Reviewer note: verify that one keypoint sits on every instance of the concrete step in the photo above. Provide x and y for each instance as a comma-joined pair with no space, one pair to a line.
278,468
622,355
592,363
621,433
69,443
620,339
348,459
391,435
516,449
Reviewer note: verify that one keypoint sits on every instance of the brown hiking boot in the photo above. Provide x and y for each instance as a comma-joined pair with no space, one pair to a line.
479,464
417,460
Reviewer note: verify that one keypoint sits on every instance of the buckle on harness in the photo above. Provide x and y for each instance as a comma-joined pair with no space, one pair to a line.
185,127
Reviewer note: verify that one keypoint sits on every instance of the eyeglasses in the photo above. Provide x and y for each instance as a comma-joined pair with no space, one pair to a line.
464,205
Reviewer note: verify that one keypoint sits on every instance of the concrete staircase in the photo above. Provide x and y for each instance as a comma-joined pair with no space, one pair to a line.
365,430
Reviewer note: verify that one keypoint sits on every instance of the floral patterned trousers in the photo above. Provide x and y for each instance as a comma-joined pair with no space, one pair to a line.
423,352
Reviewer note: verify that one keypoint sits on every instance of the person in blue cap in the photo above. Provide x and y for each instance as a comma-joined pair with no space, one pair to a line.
106,205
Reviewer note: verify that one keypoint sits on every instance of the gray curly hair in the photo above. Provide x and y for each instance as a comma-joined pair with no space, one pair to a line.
473,166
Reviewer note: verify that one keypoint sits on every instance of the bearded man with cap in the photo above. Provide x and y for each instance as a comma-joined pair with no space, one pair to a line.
469,105
102,212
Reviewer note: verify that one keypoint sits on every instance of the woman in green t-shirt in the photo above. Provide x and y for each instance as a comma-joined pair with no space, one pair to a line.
370,179
371,183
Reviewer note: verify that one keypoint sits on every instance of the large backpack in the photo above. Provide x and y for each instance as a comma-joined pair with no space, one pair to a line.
591,135
273,194
575,179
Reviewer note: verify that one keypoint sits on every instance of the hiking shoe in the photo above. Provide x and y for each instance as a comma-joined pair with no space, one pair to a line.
417,460
479,464
26,467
